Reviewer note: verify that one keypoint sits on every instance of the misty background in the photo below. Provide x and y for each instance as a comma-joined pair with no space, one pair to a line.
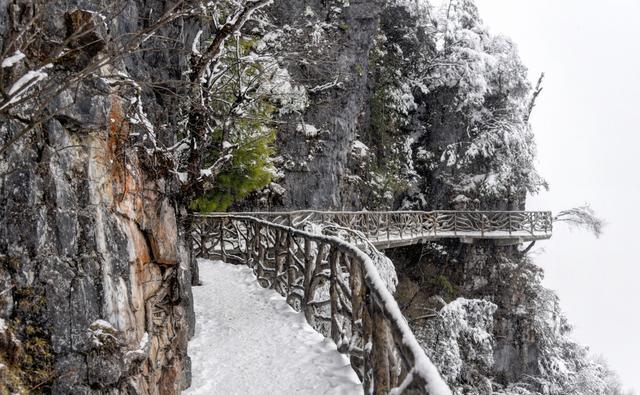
586,127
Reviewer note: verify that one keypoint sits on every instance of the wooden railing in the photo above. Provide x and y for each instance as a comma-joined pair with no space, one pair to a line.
381,226
339,290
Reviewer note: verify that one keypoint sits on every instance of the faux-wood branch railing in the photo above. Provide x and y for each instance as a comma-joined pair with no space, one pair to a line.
386,227
338,288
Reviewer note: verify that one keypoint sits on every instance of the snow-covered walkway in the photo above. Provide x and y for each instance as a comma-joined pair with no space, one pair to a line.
249,341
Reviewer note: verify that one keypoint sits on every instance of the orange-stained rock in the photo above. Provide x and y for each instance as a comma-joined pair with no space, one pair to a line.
143,255
152,280
163,234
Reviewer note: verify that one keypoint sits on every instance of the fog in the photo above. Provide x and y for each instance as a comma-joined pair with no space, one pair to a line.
586,128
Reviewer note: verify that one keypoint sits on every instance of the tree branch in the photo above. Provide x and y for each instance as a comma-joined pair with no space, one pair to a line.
532,102
231,26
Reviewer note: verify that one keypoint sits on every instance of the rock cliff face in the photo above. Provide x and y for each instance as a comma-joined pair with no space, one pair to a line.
495,282
330,44
412,106
94,269
389,122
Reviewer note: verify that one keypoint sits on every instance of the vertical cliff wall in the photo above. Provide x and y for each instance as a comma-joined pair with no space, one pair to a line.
94,269
329,43
419,107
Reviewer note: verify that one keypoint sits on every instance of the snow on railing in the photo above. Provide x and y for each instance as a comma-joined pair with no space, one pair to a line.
339,290
380,226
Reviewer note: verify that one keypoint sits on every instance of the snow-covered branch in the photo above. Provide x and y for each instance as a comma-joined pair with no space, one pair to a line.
233,25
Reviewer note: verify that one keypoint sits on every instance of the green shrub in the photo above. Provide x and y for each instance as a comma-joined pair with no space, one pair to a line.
247,172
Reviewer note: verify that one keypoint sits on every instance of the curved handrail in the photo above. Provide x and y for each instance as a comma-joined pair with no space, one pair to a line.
339,289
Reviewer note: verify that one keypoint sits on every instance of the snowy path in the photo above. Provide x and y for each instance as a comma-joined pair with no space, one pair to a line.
249,341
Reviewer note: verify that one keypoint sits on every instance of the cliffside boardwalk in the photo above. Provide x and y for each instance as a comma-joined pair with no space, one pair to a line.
249,341
337,285
389,229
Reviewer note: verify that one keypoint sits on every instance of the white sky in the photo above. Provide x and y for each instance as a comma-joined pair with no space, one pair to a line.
588,149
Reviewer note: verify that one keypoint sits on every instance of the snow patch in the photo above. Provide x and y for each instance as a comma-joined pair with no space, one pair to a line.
277,188
13,59
316,34
307,130
24,83
308,12
102,332
359,149
182,176
279,85
196,44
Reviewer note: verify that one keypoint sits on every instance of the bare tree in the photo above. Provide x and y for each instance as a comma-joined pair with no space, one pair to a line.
582,217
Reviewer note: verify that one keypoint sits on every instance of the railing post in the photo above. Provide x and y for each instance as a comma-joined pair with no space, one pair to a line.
289,264
436,221
358,292
248,246
223,253
308,277
255,245
533,223
367,339
261,254
279,263
366,221
334,259
455,223
381,371
411,218
202,231
388,225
